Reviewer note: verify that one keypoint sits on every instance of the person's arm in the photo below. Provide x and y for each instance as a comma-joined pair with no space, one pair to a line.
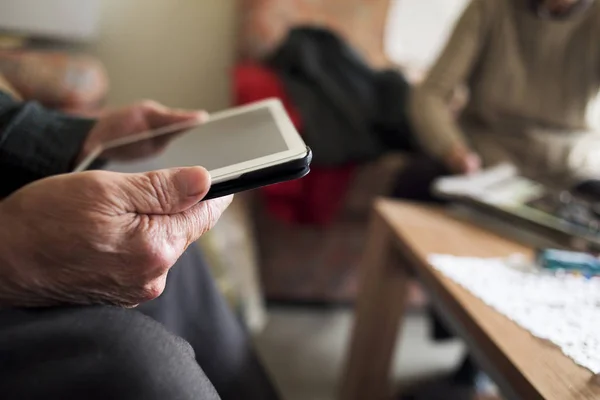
36,143
65,239
430,112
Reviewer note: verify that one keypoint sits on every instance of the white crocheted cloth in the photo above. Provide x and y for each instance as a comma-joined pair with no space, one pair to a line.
562,309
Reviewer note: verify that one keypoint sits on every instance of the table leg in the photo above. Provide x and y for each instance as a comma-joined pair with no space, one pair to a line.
380,305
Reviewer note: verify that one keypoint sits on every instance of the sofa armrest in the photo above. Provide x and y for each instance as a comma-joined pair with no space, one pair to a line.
6,87
57,80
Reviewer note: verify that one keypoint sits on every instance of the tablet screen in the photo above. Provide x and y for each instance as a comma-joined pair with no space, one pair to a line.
216,144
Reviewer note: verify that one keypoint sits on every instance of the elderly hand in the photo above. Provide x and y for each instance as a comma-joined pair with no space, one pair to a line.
100,237
142,117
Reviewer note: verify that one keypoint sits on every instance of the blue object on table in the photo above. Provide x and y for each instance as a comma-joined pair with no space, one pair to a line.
569,261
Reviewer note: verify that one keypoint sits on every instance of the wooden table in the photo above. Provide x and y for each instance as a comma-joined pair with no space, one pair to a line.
401,237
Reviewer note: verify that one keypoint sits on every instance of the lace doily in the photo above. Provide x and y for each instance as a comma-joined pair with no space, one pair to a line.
562,309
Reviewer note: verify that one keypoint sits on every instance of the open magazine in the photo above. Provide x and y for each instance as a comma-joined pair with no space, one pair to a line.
502,191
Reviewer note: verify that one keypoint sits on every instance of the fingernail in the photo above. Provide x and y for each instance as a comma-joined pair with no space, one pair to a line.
202,116
193,181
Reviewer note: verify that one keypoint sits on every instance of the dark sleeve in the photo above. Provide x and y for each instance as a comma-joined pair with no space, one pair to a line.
36,143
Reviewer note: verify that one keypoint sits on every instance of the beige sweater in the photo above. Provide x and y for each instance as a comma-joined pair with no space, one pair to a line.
530,81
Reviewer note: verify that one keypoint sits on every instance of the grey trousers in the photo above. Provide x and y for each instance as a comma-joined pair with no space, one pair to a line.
184,345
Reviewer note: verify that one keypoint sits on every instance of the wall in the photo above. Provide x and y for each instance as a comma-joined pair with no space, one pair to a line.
72,19
417,30
265,23
178,52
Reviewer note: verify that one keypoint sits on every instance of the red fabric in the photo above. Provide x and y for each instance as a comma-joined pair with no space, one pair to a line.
314,199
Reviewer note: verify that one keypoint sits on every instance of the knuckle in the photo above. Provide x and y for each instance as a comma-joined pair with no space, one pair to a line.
149,255
153,289
95,184
155,256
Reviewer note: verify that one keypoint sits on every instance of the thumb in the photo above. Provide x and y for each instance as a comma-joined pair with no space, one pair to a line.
168,191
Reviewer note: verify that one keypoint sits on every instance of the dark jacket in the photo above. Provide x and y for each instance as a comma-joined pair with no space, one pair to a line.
349,111
36,143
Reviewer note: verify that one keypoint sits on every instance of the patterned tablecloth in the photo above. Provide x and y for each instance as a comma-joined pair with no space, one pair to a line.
564,309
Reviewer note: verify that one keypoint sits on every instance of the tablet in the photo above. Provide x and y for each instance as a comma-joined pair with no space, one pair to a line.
231,144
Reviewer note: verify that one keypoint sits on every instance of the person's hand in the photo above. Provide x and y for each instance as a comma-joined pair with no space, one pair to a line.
461,161
100,237
142,117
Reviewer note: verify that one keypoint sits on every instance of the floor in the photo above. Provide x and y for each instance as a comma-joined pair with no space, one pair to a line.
304,351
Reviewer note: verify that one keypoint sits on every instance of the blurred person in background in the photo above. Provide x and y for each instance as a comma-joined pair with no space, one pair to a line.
531,68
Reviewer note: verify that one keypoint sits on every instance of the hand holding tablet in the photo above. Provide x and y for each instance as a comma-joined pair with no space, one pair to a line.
242,148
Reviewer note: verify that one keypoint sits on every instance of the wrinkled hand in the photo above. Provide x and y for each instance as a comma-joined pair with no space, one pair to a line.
461,161
100,237
142,117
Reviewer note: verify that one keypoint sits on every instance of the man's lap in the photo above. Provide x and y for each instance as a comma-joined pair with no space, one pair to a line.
192,307
95,353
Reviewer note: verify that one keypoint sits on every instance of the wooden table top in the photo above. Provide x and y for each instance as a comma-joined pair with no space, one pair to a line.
536,368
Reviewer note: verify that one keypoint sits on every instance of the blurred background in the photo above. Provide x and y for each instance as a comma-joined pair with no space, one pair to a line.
290,274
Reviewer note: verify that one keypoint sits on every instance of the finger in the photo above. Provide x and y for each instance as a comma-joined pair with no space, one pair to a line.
168,191
197,220
158,115
176,232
